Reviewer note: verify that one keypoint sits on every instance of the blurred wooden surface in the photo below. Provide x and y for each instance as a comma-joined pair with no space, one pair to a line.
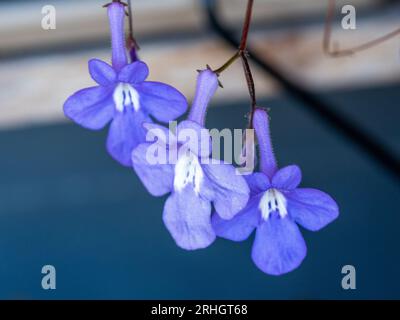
33,89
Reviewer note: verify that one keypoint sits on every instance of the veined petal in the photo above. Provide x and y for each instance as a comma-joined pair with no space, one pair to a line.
158,178
241,225
126,132
134,73
258,182
278,247
231,192
311,208
102,72
162,101
92,108
187,218
287,178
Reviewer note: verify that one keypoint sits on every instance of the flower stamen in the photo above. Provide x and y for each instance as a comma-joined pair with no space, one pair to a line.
126,96
272,200
188,170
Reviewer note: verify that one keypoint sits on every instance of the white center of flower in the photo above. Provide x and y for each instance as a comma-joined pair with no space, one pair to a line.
188,170
272,200
126,96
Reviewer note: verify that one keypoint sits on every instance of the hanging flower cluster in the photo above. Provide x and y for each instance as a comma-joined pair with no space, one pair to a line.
276,204
194,180
207,197
123,96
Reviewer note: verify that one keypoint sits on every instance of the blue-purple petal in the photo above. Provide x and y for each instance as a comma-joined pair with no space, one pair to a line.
311,208
258,182
287,178
231,192
158,178
92,108
278,247
162,101
188,218
241,225
195,137
134,73
102,72
126,132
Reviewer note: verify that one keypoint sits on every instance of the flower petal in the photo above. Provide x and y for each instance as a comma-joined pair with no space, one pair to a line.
311,208
92,108
162,101
133,73
241,225
126,132
195,137
258,182
287,178
102,72
158,178
231,192
278,247
187,218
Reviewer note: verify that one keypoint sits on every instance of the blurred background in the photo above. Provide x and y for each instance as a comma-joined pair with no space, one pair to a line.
65,202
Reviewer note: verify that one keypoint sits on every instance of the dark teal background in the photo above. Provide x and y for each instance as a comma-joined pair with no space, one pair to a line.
65,202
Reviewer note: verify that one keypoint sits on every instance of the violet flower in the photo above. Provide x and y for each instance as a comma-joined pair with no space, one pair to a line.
193,180
275,208
122,96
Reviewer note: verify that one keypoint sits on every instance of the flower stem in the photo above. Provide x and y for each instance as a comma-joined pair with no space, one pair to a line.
227,64
246,25
245,62
242,54
243,42
250,86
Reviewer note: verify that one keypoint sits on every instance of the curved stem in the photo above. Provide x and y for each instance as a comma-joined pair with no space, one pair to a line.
326,43
246,25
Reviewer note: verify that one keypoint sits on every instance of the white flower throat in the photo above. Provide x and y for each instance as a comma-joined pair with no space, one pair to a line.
126,96
272,200
188,171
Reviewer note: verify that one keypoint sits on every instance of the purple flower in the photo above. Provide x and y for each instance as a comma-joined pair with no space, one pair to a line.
122,96
275,208
193,180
